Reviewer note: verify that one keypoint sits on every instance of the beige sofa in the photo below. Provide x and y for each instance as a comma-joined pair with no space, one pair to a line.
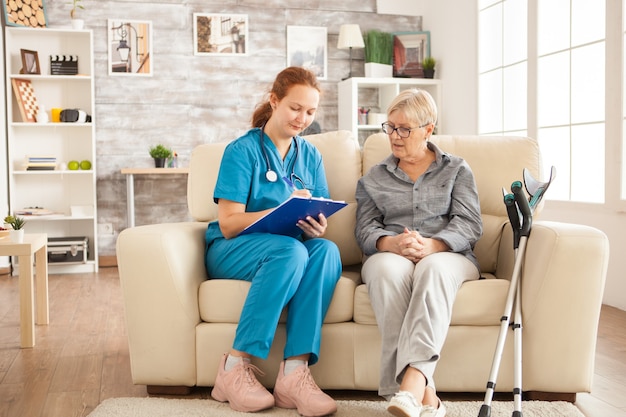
179,323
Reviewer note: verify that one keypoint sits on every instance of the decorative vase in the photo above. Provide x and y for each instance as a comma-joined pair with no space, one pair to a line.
159,162
17,236
376,70
78,24
42,115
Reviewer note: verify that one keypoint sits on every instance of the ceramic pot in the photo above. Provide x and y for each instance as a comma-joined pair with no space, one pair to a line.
78,24
159,162
429,73
17,236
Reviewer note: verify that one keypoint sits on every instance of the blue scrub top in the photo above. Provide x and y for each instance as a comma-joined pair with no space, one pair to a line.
243,168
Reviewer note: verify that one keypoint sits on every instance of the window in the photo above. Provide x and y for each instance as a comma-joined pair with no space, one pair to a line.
567,66
503,67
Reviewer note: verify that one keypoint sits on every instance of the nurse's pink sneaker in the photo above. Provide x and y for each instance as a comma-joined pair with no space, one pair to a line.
240,388
299,390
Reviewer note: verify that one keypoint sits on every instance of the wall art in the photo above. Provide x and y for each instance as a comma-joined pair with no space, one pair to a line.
25,13
130,47
220,34
307,47
409,51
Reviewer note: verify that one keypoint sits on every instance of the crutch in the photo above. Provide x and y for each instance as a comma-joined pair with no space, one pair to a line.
516,204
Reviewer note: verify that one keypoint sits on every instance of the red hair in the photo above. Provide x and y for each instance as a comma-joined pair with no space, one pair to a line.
286,79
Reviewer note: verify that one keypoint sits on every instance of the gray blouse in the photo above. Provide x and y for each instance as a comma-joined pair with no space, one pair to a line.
442,204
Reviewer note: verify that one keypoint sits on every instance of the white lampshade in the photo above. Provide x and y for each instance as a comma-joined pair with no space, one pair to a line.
350,37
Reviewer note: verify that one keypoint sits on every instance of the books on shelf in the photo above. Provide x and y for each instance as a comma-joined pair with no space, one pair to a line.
284,218
41,163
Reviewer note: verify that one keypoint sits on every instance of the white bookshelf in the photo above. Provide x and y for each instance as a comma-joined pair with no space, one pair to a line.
69,194
377,94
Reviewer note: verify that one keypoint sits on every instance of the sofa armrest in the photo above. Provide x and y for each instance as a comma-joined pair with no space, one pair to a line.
161,268
563,277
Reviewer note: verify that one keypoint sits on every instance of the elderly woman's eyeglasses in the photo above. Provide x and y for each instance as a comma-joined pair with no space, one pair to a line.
403,132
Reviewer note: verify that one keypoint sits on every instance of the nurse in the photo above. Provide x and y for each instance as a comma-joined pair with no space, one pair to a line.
259,171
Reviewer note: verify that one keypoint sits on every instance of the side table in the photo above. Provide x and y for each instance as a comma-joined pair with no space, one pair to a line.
33,248
130,185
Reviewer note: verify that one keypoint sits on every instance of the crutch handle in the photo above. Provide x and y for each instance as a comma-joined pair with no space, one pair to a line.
524,208
511,209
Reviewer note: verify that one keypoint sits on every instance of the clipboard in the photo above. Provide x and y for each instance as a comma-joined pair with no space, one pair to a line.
282,220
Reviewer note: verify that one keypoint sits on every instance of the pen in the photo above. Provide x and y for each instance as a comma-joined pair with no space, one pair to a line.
290,183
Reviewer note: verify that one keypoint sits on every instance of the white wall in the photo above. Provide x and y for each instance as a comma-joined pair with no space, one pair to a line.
454,39
4,187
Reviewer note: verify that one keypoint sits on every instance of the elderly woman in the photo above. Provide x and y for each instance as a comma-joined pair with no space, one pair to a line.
418,219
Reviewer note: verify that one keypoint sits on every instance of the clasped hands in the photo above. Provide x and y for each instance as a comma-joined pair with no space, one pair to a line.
310,226
413,246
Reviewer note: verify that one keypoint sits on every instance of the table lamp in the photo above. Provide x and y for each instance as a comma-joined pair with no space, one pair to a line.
350,37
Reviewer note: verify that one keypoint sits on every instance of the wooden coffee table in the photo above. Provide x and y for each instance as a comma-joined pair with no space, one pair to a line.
33,248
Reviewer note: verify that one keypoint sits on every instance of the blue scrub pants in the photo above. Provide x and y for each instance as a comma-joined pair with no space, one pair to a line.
283,272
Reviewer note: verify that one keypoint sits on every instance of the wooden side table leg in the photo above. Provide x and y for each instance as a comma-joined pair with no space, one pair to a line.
27,301
41,280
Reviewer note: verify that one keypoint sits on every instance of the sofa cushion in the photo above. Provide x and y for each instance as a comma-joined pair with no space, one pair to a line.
221,301
342,162
478,303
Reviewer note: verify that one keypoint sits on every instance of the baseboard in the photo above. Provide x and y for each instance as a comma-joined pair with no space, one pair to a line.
107,261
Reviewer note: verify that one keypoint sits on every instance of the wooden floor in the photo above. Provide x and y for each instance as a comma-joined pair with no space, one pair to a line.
81,357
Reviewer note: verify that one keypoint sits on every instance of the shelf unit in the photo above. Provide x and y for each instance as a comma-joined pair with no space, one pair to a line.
69,194
376,94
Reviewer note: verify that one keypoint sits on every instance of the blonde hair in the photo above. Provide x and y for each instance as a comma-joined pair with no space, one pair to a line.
418,105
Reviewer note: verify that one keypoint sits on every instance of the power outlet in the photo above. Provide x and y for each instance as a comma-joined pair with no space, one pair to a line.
105,229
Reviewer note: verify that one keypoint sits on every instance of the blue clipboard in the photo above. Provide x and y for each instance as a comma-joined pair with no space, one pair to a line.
282,220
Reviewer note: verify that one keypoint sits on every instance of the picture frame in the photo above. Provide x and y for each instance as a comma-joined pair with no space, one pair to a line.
220,34
130,47
409,51
307,47
18,13
30,62
26,99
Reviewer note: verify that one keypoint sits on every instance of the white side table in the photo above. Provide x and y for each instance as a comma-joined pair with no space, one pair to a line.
33,248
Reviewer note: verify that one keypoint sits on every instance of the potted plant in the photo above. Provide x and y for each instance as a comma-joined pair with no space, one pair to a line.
428,65
17,227
378,54
76,23
160,153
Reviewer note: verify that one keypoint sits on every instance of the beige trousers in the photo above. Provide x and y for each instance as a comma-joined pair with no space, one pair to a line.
413,307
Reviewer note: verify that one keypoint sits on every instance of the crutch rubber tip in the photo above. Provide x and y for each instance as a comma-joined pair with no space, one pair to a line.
516,414
485,411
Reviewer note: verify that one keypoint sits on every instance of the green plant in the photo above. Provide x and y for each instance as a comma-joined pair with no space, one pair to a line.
75,5
429,63
378,47
160,151
16,222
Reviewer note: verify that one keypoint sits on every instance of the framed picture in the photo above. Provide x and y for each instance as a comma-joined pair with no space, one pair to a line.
130,47
30,62
26,100
307,47
409,51
220,34
25,13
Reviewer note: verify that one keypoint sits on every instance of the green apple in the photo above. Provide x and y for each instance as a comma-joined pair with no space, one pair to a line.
85,165
73,165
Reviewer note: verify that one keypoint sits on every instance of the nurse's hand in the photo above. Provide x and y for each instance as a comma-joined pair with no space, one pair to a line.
313,227
301,193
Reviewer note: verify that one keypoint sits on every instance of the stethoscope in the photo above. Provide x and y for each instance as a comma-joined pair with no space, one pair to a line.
270,174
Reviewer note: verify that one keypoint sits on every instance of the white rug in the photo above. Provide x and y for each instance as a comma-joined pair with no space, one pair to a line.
163,407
